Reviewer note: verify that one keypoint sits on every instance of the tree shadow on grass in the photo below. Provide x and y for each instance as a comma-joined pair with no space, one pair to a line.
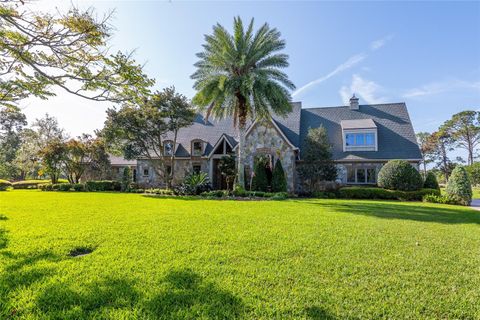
22,271
318,313
189,296
392,210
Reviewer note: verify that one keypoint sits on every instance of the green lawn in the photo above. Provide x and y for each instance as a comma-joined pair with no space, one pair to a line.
172,258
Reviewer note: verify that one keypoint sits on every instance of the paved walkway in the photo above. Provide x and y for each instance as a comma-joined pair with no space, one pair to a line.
475,204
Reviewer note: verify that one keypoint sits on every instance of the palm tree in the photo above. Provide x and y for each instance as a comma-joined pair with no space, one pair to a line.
238,75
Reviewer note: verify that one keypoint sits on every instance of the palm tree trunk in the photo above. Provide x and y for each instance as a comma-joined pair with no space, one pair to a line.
241,156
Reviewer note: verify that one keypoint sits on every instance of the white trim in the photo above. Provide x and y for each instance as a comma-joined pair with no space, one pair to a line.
361,147
375,160
224,137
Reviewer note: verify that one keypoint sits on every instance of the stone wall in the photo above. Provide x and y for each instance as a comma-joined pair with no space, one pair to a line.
264,139
182,167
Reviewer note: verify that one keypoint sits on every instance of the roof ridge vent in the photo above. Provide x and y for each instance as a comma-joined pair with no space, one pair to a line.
354,103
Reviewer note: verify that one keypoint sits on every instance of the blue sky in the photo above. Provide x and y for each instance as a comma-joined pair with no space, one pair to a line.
424,53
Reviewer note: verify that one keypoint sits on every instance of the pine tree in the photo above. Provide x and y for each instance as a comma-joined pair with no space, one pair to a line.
279,181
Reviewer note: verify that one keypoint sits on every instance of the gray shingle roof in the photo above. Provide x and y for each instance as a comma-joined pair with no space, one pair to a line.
120,161
210,131
396,137
358,124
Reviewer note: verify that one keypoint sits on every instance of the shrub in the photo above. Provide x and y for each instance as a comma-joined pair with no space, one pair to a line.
4,185
126,179
474,173
459,189
103,185
260,179
46,187
194,184
399,175
279,196
433,198
383,194
79,187
431,181
239,191
279,181
64,186
33,184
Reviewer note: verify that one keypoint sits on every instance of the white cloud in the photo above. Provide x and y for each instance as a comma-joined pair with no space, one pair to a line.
349,63
353,60
365,89
440,87
377,44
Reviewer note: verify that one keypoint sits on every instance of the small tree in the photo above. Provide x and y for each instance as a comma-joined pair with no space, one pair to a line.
126,178
260,179
431,181
317,164
279,181
473,171
53,156
459,189
227,167
399,175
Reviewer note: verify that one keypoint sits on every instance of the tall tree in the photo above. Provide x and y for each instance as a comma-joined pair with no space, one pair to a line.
423,139
317,164
138,132
27,159
464,127
178,113
238,75
40,51
82,153
12,121
442,143
48,129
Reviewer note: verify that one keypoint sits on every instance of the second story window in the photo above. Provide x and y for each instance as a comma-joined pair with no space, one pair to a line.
360,139
197,148
168,148
145,172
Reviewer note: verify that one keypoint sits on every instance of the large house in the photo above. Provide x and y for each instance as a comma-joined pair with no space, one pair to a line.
363,138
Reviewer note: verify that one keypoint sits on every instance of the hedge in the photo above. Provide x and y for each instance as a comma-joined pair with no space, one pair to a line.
103,185
383,194
33,184
4,185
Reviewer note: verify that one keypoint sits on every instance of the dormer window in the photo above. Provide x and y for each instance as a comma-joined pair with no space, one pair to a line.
359,135
168,148
197,148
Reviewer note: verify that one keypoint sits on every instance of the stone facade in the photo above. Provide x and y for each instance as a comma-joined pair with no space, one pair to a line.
265,139
146,175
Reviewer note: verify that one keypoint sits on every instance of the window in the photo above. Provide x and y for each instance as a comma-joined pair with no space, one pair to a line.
168,169
168,148
360,139
197,148
145,172
370,139
361,175
197,168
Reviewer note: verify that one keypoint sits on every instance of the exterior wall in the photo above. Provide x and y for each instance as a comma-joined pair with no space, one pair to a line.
264,139
182,167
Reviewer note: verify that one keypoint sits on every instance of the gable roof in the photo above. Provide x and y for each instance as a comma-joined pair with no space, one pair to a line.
396,137
212,130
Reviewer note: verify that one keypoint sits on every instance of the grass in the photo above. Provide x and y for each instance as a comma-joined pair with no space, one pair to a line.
140,257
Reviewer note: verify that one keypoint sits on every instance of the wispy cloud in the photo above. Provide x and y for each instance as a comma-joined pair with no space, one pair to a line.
349,63
367,90
440,87
377,44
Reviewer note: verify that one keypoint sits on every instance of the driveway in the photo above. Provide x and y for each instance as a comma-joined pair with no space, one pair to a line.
475,204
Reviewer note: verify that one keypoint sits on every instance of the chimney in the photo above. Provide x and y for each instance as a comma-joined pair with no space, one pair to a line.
354,103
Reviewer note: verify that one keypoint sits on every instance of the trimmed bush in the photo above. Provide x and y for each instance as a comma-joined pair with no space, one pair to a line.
279,196
4,185
279,180
260,180
103,185
437,199
33,184
459,189
64,186
79,187
399,175
239,191
431,181
383,194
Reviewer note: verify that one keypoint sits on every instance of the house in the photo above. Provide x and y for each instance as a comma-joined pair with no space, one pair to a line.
363,139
